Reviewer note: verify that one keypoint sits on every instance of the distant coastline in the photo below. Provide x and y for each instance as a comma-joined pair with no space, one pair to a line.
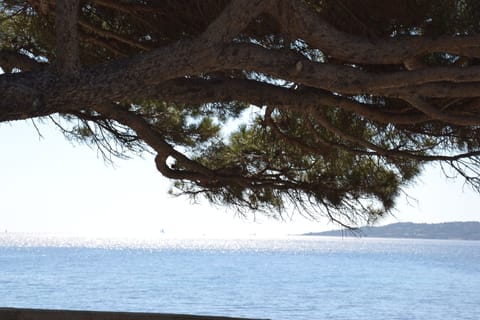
445,231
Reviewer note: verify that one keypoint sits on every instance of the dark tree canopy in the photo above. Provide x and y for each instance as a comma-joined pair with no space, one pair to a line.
328,107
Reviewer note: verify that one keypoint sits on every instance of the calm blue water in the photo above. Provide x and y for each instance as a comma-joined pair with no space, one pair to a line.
292,278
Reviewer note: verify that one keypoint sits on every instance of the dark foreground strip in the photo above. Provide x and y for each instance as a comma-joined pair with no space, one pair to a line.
42,314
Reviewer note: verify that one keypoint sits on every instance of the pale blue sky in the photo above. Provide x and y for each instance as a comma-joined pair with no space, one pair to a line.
50,185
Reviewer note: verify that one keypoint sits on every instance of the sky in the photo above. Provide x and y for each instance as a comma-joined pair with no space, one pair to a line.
49,185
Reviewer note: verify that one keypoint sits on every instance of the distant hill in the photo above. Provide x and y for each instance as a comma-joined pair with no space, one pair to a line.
448,230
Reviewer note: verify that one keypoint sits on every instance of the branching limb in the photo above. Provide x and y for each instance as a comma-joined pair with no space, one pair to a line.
299,21
380,151
155,140
437,114
234,19
290,66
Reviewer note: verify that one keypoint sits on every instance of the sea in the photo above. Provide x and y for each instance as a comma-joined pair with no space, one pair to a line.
282,278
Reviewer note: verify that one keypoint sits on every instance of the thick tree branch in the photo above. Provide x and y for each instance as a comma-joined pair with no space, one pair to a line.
300,21
23,95
194,172
67,44
342,79
407,154
155,140
348,119
198,91
112,81
234,19
437,114
435,90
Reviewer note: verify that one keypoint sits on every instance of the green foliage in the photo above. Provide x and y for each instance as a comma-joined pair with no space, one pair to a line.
336,179
24,30
189,126
320,158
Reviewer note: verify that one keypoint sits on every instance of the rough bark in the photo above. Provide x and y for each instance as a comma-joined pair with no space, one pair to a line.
387,84
211,52
66,21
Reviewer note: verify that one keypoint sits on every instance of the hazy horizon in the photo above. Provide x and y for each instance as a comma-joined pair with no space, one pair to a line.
50,185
